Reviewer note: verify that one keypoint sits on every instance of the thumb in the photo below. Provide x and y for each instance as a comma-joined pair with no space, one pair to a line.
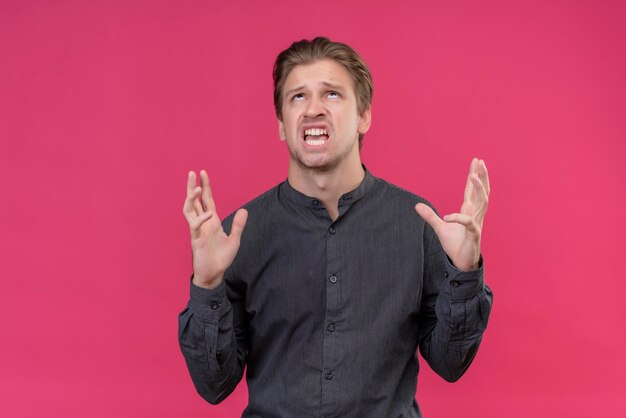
429,216
239,222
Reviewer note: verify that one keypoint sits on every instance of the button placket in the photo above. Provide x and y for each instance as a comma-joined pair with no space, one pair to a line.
332,351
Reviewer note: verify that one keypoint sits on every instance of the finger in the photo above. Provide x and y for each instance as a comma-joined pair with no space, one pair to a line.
480,194
484,176
462,219
191,182
429,216
239,222
192,195
190,208
459,218
189,212
474,165
196,202
482,200
469,188
207,196
197,223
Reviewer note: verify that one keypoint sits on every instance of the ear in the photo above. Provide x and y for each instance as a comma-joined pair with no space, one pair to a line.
281,130
365,120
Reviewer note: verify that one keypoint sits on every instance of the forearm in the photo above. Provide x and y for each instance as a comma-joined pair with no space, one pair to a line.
459,316
208,342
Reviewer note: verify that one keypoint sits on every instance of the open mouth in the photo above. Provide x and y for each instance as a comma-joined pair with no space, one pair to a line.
315,136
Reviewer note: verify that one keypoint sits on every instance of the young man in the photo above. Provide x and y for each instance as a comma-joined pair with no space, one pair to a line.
338,276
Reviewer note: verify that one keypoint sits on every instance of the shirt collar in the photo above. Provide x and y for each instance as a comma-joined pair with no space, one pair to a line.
346,199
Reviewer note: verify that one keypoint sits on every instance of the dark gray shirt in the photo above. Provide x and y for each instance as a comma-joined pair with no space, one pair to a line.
327,316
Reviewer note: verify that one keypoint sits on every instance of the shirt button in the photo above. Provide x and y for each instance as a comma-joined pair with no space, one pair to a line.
331,327
445,274
329,376
333,279
214,305
316,202
332,230
455,283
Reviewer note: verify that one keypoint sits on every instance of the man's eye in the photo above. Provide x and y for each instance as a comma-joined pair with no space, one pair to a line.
333,94
297,97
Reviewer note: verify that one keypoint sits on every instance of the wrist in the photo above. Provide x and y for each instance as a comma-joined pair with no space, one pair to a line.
466,267
207,283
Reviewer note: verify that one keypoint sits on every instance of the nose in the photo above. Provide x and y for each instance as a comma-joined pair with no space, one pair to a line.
315,107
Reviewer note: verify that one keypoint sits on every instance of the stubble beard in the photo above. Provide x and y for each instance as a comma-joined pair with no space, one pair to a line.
324,166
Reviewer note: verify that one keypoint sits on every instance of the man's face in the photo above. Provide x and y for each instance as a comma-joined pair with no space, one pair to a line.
321,123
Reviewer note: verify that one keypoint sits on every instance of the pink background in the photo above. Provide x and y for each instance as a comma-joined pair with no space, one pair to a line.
105,106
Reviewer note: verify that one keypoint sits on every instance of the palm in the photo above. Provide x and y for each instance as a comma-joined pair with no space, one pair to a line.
459,233
213,251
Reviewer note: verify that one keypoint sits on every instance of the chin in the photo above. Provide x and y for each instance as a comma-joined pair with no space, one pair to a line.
325,166
317,164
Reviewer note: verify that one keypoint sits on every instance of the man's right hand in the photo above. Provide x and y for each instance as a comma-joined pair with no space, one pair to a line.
213,251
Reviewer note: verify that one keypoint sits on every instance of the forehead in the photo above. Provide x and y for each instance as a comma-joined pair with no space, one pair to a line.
318,73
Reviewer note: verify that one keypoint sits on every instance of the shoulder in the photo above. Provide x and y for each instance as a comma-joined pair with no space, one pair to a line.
390,191
399,203
264,201
262,205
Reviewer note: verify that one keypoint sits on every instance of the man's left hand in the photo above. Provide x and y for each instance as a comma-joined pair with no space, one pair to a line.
459,233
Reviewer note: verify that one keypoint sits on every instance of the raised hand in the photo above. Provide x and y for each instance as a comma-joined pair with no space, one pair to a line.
459,233
213,250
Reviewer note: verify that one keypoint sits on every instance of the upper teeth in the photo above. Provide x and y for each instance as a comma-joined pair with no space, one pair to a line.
315,132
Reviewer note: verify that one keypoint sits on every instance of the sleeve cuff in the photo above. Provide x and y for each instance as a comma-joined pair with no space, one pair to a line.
207,303
464,284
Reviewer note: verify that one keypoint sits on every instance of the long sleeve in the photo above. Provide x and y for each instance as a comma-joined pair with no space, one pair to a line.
208,341
454,314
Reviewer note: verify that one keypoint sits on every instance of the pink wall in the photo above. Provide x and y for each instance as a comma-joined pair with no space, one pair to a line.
105,106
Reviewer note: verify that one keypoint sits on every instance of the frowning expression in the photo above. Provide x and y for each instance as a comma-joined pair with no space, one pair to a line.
321,123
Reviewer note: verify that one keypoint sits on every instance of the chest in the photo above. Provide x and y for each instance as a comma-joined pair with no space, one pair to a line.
308,271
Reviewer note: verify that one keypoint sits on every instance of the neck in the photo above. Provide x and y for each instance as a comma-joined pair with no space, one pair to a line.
328,185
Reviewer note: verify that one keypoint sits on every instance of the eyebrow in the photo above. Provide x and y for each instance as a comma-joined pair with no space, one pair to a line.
288,93
324,83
